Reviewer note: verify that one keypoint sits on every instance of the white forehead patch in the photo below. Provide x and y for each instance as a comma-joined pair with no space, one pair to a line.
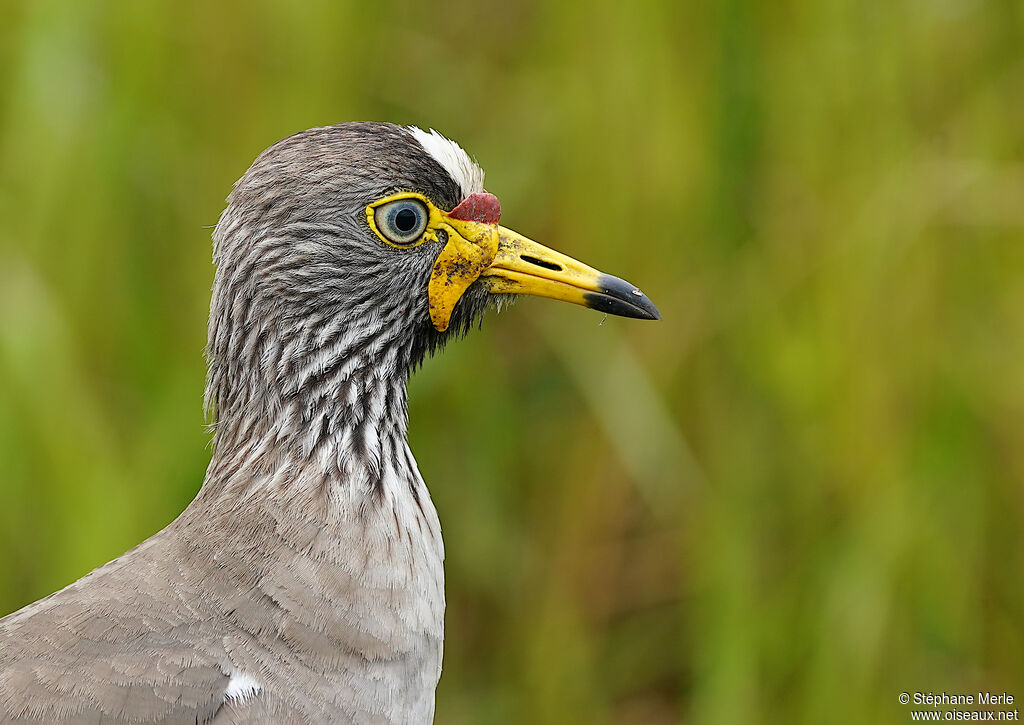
452,158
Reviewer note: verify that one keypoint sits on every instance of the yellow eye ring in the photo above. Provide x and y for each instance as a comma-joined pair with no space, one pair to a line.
404,220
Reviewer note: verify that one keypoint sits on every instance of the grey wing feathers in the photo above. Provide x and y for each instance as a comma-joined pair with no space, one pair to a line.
259,711
117,646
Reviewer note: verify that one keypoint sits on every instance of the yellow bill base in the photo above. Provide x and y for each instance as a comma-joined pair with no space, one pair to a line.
508,263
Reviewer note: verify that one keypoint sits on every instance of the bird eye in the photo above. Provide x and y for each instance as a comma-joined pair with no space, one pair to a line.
402,221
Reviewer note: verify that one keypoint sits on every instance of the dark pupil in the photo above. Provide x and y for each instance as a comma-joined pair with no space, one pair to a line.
405,220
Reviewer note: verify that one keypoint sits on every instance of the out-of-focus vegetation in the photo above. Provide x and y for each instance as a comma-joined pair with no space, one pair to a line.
797,496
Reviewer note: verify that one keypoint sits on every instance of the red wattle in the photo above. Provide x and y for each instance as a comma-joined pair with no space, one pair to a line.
479,207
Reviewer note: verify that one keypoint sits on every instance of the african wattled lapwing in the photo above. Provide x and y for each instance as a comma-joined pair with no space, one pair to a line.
304,583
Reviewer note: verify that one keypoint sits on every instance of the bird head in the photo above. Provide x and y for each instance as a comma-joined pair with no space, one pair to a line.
370,240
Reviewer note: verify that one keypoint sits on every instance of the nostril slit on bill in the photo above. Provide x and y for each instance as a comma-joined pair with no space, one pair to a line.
541,263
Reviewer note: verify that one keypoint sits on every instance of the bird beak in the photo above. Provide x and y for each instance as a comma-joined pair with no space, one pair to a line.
522,266
508,263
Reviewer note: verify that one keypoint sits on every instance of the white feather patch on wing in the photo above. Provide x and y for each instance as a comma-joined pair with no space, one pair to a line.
452,158
241,687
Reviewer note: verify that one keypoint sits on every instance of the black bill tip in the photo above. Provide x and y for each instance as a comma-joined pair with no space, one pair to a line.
619,297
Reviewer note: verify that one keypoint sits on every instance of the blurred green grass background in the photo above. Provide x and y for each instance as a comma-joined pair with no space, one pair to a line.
797,496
